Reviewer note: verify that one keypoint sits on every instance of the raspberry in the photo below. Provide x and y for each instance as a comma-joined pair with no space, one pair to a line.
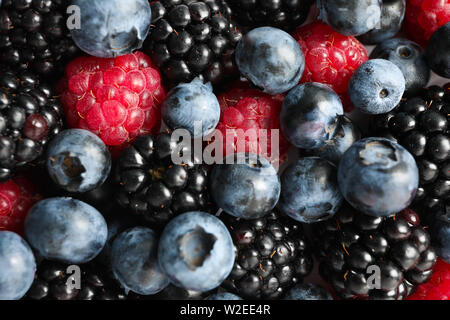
117,99
424,17
438,288
331,58
245,108
17,196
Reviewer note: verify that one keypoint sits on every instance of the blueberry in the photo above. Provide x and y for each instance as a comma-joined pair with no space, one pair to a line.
270,59
377,86
378,176
350,17
308,291
247,188
309,190
110,28
78,160
309,115
440,234
191,102
17,265
438,51
134,261
392,16
343,137
66,230
223,296
410,58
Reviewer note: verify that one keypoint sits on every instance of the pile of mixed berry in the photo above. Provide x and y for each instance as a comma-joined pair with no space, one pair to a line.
224,149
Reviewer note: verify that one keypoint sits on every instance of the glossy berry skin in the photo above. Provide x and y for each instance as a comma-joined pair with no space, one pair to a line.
272,255
270,59
223,296
308,291
350,17
424,17
117,99
16,198
78,160
247,188
331,58
66,230
378,177
392,16
438,288
134,261
350,245
18,266
190,106
309,115
111,28
196,251
377,86
438,51
410,58
309,190
440,233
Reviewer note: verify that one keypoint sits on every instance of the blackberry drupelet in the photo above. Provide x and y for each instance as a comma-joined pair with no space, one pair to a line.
190,38
34,35
29,117
352,242
421,125
155,188
54,282
272,256
282,14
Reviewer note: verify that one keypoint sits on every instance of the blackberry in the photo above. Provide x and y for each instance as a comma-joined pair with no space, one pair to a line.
353,245
421,125
34,35
54,281
29,117
272,256
282,14
190,38
155,188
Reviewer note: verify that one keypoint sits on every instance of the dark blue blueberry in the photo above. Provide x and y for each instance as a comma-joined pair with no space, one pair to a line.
196,251
111,28
410,58
248,187
350,17
270,59
309,115
440,234
66,230
308,291
377,86
392,15
223,296
192,102
309,190
134,261
78,160
438,51
378,176
17,265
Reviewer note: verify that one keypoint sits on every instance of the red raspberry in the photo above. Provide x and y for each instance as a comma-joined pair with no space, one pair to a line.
331,58
424,17
17,196
438,288
117,99
245,108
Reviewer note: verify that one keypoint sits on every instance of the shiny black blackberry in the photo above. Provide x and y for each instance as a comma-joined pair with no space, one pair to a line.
190,38
421,125
33,35
283,14
29,116
366,257
155,188
56,281
272,255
